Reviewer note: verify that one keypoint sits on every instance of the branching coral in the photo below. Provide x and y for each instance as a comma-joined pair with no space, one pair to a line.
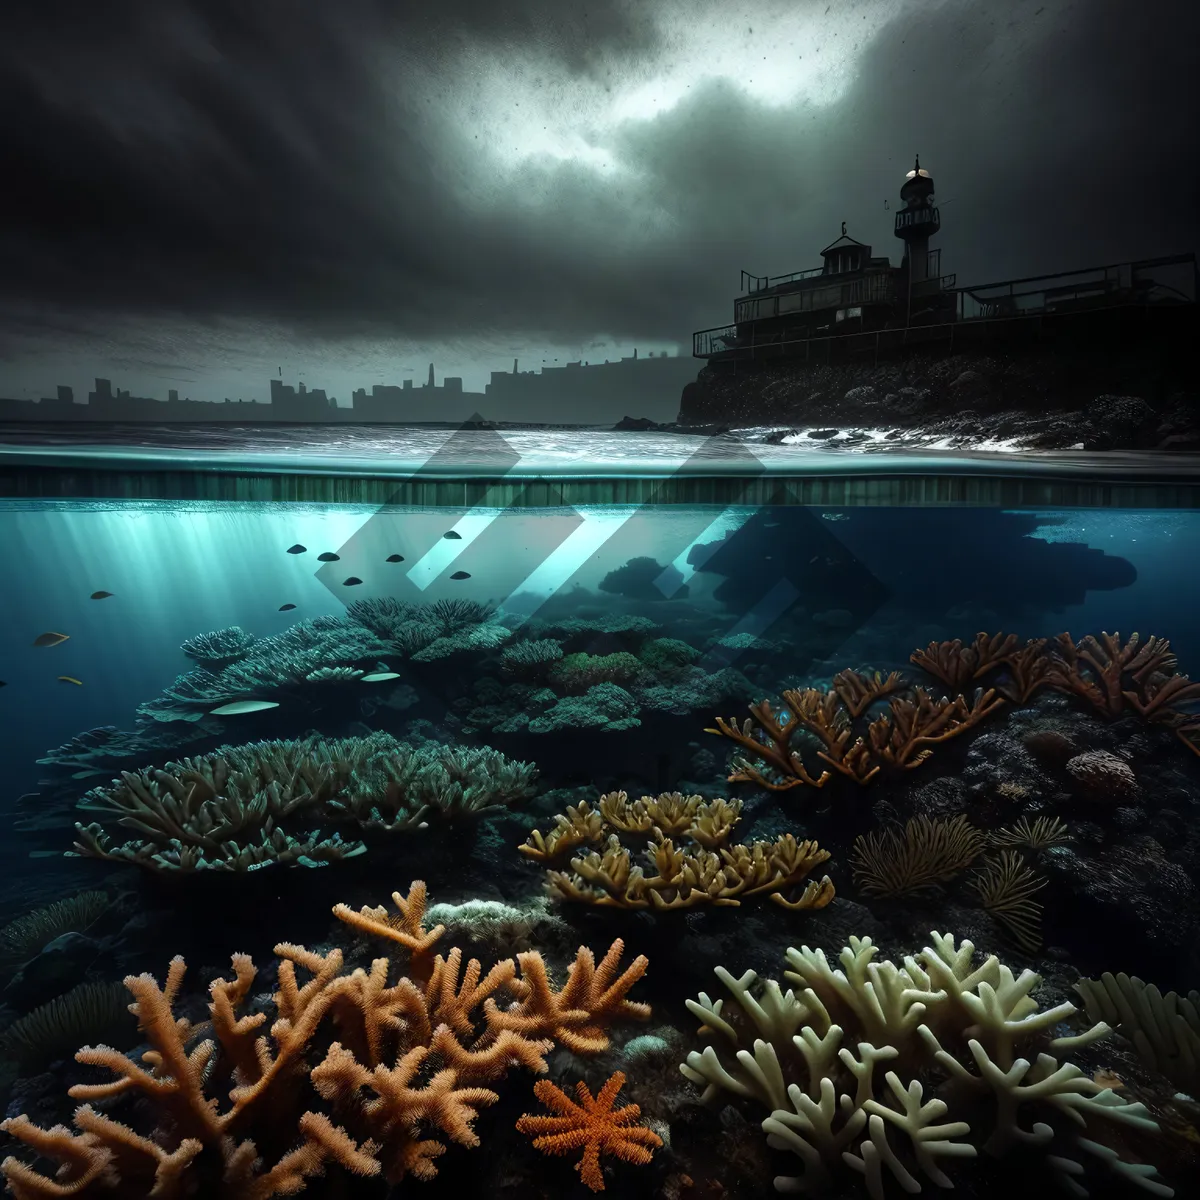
591,1124
899,739
264,803
1113,676
857,1068
236,1102
1164,1029
706,871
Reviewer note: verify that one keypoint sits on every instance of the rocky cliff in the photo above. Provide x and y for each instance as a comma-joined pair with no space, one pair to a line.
1142,396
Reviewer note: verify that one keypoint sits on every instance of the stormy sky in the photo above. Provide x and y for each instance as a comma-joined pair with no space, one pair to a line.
197,192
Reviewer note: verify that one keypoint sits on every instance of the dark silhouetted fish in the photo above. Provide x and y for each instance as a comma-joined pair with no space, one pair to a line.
297,549
461,575
101,595
395,558
452,536
328,556
351,581
3,683
286,607
50,639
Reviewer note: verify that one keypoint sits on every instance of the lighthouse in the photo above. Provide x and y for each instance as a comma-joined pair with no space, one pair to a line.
917,222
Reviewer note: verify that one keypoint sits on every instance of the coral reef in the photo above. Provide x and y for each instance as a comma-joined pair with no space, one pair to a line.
592,1124
899,739
858,1068
1164,1029
928,852
704,872
265,803
1112,676
236,1101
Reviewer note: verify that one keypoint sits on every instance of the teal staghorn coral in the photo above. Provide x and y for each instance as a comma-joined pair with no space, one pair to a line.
666,655
275,803
219,648
605,706
576,673
530,659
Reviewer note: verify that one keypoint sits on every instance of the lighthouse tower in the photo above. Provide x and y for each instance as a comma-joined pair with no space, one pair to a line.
917,222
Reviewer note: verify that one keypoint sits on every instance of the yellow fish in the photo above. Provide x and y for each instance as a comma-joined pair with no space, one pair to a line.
70,679
50,639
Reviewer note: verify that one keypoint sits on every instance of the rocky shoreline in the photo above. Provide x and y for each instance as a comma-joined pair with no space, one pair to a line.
1034,400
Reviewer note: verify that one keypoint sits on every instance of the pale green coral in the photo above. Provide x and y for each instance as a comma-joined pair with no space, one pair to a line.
974,1037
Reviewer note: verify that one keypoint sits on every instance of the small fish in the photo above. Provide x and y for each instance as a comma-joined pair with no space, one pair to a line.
395,558
834,517
297,549
286,607
3,683
452,536
461,575
50,639
242,706
328,556
351,581
70,679
101,595
379,676
86,773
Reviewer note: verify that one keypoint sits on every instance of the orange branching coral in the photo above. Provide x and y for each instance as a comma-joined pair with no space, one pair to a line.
592,1124
899,738
592,998
404,927
409,1060
680,876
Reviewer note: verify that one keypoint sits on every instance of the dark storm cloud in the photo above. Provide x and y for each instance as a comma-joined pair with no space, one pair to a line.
290,161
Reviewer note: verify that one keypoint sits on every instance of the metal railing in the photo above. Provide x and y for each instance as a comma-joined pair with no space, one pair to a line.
750,284
1172,279
758,343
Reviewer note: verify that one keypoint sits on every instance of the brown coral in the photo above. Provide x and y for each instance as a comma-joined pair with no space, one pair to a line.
900,738
409,1060
930,851
592,1124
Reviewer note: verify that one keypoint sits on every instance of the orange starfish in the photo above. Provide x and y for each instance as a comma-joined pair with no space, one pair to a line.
593,1124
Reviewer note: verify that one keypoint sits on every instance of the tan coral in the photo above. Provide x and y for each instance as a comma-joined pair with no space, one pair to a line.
677,875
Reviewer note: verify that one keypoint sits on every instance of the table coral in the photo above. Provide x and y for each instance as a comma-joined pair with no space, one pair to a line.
858,1066
235,1101
264,803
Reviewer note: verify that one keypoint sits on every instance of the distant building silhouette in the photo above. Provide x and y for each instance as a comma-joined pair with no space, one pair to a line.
570,394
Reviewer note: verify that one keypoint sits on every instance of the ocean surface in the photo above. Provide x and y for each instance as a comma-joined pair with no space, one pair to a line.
958,739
